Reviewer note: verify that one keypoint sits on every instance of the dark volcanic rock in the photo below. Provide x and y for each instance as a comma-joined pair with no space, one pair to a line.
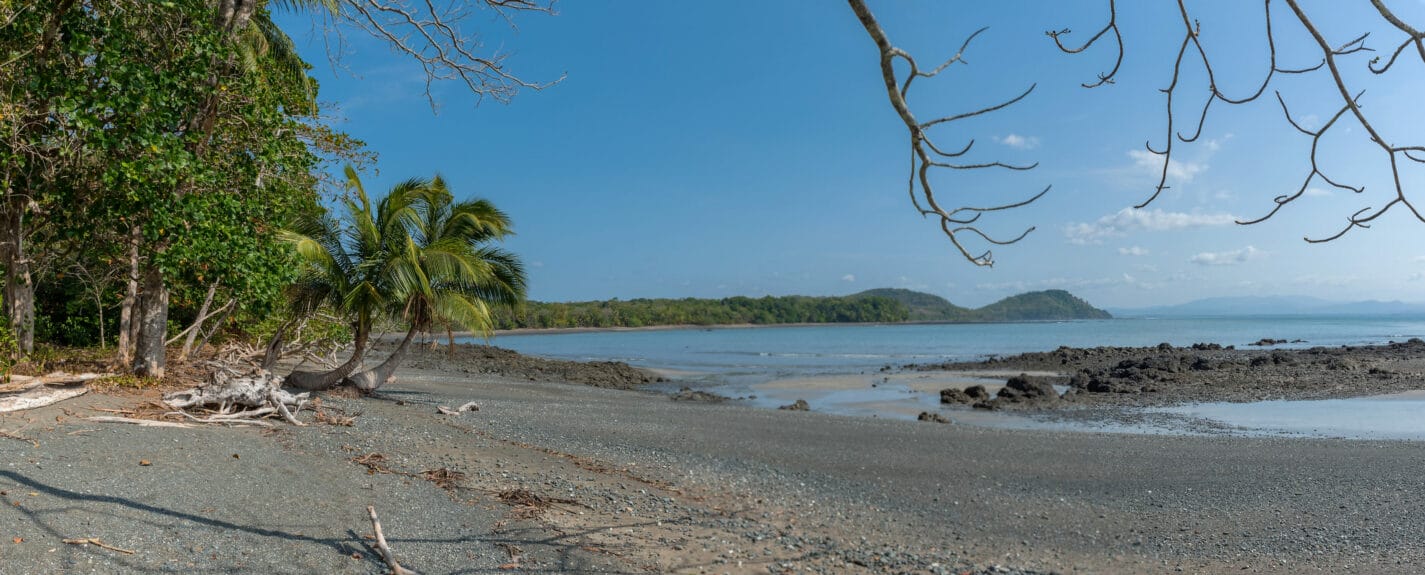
932,417
689,394
484,359
1023,389
954,395
968,395
798,405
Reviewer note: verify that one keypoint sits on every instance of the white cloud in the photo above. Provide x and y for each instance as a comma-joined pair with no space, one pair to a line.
1018,141
1178,171
1418,259
1133,251
848,278
1130,220
536,264
1317,192
1227,258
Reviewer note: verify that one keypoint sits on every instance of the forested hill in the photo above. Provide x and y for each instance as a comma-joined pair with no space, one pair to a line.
872,306
1048,305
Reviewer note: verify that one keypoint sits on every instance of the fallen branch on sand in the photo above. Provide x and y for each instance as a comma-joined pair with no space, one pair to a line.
135,421
467,406
27,392
16,436
97,543
386,554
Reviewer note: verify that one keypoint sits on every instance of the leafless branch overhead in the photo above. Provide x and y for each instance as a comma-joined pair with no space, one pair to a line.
1192,52
925,154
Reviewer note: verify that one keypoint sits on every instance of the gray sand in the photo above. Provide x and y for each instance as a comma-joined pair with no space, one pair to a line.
660,486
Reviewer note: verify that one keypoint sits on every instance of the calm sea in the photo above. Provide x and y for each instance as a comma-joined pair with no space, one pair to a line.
781,352
837,368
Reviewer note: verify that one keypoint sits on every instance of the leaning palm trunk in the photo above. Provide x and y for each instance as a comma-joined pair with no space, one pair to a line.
309,380
374,378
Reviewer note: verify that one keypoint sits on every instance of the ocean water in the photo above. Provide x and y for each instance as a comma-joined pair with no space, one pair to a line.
782,352
838,368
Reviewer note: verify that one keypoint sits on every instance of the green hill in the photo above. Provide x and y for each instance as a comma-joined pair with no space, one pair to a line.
1048,305
922,306
1051,305
885,305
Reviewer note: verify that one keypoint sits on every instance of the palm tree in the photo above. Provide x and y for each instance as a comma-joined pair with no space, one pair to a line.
446,272
346,264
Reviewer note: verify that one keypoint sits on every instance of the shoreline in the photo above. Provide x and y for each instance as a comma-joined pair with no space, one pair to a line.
652,485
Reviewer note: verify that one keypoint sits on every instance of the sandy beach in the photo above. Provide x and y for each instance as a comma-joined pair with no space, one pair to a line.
626,481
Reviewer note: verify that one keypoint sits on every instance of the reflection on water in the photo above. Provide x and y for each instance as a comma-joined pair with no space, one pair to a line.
1398,416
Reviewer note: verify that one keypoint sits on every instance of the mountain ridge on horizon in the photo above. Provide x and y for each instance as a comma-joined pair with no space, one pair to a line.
1275,305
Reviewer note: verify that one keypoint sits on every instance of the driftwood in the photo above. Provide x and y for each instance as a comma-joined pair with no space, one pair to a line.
468,406
135,421
27,392
237,396
386,554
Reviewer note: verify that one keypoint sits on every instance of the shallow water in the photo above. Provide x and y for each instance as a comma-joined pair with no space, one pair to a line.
1396,416
838,369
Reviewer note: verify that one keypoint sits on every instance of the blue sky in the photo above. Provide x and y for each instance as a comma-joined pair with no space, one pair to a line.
710,149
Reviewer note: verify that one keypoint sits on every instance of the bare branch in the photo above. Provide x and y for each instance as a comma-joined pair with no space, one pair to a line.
1112,26
1350,104
431,34
922,147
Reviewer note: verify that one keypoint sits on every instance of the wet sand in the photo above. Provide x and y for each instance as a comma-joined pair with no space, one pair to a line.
657,486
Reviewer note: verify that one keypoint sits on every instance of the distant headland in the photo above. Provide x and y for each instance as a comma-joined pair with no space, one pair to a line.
883,305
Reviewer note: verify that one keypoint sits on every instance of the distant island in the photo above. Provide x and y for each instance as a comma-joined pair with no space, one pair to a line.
885,305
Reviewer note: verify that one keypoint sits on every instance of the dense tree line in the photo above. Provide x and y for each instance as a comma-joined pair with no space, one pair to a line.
165,177
690,311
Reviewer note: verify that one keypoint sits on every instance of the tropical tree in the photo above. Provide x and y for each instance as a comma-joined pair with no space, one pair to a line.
447,272
346,264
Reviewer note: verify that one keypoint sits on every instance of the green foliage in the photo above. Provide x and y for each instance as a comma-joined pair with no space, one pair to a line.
9,350
736,310
415,254
872,306
1050,305
124,115
1041,306
922,306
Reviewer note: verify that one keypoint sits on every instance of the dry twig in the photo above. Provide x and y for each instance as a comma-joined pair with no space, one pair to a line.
97,543
386,554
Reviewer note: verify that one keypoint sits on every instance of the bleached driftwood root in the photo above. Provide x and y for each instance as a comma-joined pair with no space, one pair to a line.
236,397
27,392
386,554
467,406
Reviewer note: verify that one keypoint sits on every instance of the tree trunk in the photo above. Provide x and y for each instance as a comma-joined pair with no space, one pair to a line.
19,291
99,305
198,322
316,381
374,378
274,346
149,352
217,325
126,310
